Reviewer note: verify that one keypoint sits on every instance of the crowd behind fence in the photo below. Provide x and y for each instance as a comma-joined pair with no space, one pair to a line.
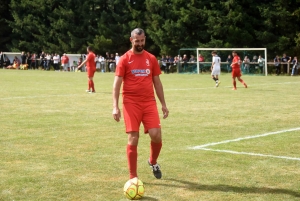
46,62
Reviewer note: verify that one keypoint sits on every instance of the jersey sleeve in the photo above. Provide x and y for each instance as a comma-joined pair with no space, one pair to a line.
120,69
156,68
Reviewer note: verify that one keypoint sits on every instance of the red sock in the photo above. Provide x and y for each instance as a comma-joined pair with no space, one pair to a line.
154,152
234,83
132,160
92,85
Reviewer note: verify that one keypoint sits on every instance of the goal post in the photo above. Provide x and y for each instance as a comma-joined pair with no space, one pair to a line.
232,49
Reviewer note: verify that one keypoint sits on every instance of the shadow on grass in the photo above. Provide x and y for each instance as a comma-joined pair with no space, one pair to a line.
228,188
148,198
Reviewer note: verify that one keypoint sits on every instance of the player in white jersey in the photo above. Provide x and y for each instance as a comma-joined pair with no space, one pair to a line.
215,67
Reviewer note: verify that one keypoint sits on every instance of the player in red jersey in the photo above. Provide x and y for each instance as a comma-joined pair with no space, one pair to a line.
236,70
139,71
91,68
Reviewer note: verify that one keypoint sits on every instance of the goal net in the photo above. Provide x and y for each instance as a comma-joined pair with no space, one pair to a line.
254,60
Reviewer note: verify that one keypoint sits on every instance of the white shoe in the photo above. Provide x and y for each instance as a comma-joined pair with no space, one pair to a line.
87,91
92,92
217,84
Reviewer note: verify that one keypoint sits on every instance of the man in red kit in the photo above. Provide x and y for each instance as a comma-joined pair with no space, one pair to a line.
139,71
65,62
236,70
91,69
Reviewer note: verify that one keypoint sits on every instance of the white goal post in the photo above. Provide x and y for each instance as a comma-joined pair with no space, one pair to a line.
232,49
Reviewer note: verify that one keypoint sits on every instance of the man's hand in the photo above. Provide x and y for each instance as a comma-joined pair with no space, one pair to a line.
116,114
165,111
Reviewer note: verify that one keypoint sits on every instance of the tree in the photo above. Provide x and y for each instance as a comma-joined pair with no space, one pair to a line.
5,33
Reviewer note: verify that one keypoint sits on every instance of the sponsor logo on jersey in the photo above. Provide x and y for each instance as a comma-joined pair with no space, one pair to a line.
140,72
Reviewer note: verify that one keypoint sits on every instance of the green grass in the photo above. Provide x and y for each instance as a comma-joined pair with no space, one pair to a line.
59,143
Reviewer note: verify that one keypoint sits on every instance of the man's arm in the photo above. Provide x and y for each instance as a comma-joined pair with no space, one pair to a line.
82,63
160,94
116,93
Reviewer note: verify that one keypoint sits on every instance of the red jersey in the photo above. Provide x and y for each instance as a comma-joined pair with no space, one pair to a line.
236,59
64,59
90,63
137,71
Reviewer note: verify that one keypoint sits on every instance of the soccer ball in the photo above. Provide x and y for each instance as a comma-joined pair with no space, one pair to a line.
134,189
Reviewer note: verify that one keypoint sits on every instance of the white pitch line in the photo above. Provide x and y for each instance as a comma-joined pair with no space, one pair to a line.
244,138
251,154
46,96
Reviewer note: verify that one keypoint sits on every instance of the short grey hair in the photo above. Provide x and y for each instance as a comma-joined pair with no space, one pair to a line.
137,31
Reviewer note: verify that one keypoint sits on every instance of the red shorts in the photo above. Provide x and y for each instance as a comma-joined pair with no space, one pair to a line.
142,112
90,72
236,72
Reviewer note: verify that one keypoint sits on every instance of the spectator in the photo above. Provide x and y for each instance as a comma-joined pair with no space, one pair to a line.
229,61
194,66
185,60
102,63
97,62
1,59
170,64
65,62
261,63
246,62
55,62
28,57
23,58
42,59
163,66
112,63
277,64
33,61
47,61
254,58
192,59
295,66
6,63
285,59
176,60
180,58
107,55
107,59
117,58
201,58
15,65
175,63
77,64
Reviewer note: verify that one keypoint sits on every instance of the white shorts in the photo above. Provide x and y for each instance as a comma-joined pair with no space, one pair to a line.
216,71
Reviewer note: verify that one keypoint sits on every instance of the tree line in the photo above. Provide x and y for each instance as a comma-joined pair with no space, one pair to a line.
71,25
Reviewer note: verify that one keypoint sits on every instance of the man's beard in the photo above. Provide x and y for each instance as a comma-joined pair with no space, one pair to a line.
139,48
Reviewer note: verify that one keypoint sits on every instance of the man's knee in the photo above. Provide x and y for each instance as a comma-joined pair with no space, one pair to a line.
133,138
155,135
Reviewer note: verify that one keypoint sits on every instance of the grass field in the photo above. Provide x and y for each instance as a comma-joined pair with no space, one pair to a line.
60,143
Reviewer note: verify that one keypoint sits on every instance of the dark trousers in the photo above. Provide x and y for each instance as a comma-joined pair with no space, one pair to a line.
284,68
55,66
277,70
33,64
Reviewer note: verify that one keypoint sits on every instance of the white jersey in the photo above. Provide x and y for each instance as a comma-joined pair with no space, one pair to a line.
216,62
216,65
